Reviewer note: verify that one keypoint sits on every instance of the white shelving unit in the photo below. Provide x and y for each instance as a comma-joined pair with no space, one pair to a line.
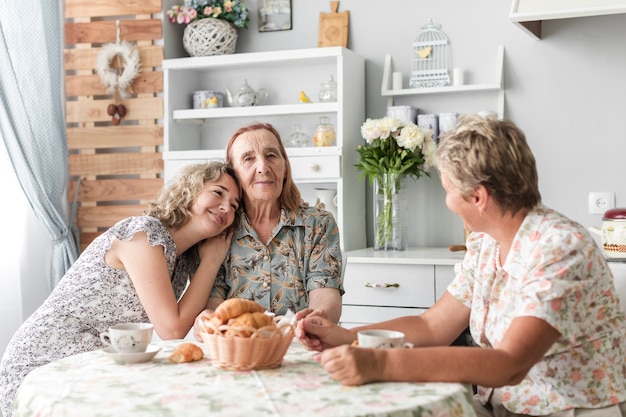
528,14
197,135
381,285
497,86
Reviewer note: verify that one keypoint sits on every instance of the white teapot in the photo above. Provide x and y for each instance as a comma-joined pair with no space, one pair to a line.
246,96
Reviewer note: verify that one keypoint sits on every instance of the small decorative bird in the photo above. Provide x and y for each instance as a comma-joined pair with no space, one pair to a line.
424,52
304,98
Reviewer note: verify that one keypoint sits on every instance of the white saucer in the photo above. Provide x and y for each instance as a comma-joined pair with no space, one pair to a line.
124,358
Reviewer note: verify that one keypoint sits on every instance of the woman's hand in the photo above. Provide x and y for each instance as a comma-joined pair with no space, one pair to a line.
309,312
215,247
351,365
198,326
318,333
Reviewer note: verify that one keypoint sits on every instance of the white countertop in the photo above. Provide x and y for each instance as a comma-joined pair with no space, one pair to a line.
416,256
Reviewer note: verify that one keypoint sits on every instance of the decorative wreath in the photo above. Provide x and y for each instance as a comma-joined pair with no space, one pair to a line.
118,80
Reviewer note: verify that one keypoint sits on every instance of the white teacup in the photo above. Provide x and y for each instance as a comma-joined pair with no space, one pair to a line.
382,339
128,337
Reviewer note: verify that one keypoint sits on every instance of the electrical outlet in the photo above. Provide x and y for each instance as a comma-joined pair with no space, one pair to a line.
599,202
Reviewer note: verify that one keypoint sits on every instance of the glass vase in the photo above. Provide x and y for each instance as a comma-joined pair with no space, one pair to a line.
390,212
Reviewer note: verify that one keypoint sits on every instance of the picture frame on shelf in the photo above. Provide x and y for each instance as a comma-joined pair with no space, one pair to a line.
274,15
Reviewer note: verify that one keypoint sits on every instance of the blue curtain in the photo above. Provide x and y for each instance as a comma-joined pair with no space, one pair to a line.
32,117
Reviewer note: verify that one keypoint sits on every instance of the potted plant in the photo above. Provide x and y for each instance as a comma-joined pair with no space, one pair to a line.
211,25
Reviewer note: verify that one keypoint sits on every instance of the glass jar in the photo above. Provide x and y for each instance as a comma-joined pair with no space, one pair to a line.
298,138
325,133
328,92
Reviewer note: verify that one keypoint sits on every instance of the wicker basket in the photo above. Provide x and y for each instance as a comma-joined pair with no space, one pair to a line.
265,349
210,36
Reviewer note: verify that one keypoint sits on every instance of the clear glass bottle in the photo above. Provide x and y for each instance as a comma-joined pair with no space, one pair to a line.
325,133
328,92
298,138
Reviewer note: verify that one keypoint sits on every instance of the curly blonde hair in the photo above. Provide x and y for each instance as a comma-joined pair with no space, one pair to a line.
173,204
290,197
492,153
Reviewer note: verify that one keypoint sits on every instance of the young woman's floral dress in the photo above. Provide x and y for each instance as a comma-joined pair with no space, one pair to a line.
556,272
90,297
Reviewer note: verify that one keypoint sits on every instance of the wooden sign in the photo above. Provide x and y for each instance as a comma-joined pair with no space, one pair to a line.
333,30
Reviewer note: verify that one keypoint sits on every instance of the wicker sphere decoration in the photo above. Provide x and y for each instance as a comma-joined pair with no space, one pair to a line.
205,37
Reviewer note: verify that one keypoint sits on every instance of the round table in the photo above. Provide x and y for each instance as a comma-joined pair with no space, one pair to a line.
92,384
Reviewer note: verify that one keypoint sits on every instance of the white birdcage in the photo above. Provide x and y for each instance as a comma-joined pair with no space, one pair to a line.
430,58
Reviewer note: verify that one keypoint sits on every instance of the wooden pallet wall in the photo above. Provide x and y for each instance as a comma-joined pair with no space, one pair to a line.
119,167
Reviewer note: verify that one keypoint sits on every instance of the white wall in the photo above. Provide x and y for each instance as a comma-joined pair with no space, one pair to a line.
24,257
565,91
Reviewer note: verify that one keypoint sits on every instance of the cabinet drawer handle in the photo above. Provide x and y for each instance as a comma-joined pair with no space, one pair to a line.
377,285
314,167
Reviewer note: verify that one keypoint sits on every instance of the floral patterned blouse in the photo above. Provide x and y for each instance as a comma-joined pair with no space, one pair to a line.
90,297
556,272
303,254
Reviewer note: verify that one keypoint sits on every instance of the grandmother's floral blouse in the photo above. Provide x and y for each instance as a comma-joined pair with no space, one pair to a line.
556,272
303,254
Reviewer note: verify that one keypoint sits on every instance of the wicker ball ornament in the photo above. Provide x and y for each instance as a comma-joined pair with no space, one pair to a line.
205,37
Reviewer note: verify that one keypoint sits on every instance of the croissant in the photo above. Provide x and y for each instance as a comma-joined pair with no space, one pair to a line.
186,352
234,307
216,323
245,324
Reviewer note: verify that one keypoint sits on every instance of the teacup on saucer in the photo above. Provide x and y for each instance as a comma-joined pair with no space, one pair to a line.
139,357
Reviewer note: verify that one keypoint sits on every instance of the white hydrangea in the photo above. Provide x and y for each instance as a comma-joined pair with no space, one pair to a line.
388,126
370,130
411,136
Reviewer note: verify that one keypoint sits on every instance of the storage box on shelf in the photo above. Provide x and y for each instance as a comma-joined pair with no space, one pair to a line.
496,87
197,135
381,285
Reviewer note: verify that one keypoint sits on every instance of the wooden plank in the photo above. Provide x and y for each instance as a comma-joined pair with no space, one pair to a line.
106,31
116,189
99,8
96,110
115,164
90,85
120,165
85,59
86,238
106,216
103,137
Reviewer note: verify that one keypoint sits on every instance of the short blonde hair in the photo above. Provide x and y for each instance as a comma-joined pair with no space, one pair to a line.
173,204
492,153
290,196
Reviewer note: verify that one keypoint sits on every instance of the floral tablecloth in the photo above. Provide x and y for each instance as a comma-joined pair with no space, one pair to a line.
92,384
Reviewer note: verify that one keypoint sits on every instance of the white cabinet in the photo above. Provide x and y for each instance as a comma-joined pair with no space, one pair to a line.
381,285
494,92
196,135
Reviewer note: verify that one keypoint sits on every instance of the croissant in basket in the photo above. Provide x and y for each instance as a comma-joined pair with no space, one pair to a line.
251,340
239,317
235,307
247,323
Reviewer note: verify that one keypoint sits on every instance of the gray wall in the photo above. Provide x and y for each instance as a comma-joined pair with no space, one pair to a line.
565,91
